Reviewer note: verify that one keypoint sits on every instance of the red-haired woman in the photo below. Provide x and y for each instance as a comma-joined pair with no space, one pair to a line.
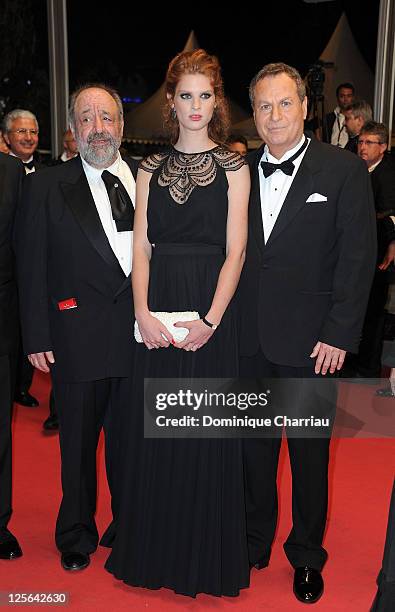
181,523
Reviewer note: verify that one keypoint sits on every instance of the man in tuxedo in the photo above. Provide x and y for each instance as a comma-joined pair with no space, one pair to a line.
70,149
303,292
21,134
74,262
11,174
372,147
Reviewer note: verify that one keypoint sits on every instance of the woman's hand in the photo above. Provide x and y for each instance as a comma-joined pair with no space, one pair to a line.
153,332
199,334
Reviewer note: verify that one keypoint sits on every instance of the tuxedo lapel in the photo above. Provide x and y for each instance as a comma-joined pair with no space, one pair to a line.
80,200
127,281
301,188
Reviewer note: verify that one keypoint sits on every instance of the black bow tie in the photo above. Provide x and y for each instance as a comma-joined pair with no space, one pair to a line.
121,204
29,165
286,166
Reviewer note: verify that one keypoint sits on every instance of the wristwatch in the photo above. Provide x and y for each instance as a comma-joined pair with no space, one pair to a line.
212,325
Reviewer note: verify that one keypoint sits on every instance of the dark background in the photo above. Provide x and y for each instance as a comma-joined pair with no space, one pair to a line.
129,45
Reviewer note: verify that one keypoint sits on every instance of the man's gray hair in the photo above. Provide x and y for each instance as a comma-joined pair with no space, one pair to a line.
17,113
360,108
73,98
272,70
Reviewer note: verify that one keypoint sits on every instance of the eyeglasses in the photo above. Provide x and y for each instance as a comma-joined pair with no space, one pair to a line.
24,132
369,142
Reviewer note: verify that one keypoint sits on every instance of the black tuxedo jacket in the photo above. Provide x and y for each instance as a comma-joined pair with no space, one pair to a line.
38,162
11,176
383,184
311,280
58,160
63,254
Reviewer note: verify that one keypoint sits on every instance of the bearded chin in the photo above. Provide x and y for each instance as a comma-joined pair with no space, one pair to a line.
100,157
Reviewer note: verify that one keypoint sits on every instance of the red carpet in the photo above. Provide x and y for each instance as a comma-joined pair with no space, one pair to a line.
361,480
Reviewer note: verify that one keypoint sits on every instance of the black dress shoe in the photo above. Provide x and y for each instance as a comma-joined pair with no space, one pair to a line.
25,399
51,423
10,549
75,561
308,584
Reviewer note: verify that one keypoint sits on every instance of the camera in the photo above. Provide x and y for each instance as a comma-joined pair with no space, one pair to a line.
316,77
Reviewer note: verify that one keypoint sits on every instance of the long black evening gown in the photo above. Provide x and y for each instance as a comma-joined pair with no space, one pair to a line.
181,523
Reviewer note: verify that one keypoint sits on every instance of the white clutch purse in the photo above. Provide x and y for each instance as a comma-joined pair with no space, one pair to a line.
168,319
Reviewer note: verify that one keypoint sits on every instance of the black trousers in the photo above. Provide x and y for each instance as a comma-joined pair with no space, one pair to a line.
368,360
7,385
52,406
309,459
84,409
24,374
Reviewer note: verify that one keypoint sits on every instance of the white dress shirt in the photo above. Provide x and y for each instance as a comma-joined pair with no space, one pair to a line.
274,188
339,136
120,242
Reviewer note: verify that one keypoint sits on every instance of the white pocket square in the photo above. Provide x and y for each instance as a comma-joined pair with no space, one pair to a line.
316,197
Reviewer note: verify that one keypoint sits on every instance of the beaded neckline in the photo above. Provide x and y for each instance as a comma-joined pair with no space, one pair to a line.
181,172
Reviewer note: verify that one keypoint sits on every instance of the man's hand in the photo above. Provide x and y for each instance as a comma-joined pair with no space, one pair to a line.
389,257
327,357
41,360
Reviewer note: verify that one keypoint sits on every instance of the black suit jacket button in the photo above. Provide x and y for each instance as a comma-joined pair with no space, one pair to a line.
115,301
265,266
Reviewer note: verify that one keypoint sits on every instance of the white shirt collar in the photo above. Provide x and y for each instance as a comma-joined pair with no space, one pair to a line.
371,168
286,155
27,161
64,157
95,173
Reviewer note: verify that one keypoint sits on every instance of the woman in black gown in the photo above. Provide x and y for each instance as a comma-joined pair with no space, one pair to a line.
181,523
